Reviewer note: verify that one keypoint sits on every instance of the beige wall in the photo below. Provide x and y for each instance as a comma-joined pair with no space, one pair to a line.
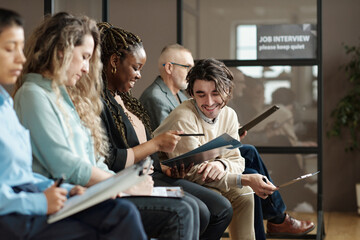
341,170
32,14
155,22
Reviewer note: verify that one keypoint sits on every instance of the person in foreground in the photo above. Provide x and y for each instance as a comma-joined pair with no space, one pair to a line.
26,197
58,100
210,86
129,131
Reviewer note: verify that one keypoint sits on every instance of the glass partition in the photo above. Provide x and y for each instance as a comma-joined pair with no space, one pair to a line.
292,88
301,195
227,29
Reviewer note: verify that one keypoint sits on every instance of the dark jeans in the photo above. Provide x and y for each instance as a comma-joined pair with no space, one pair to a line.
215,210
112,219
168,218
264,208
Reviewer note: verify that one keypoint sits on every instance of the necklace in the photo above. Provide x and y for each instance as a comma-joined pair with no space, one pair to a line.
129,117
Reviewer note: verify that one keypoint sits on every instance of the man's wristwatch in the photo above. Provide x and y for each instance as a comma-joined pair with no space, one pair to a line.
238,181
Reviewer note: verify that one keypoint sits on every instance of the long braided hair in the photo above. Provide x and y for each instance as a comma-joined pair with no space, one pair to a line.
122,43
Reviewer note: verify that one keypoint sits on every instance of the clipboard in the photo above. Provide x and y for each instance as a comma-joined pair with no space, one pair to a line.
102,191
288,183
298,179
258,119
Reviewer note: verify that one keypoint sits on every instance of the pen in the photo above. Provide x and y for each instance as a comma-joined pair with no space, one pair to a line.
269,196
191,134
244,194
59,181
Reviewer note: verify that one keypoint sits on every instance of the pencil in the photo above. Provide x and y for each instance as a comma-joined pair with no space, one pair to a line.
191,135
59,181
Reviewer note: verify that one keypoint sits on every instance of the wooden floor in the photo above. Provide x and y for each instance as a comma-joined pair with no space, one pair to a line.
338,226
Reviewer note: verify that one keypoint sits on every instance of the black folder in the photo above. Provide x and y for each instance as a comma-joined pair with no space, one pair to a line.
258,119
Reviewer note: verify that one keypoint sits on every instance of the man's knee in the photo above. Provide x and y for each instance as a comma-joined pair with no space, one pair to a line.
237,199
224,209
248,149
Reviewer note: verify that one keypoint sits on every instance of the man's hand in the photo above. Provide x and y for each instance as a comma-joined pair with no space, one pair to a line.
243,135
212,171
166,142
77,190
56,197
257,183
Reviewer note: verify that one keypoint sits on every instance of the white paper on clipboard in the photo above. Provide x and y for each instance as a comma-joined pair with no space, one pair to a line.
298,179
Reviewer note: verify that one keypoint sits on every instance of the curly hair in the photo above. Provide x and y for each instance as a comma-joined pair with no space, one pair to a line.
122,43
212,70
59,34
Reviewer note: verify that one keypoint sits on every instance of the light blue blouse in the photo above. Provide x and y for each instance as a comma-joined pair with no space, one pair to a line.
15,164
61,144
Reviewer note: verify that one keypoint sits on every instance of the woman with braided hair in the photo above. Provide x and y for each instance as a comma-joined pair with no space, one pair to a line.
129,132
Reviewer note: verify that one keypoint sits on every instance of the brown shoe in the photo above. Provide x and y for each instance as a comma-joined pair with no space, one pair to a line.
290,226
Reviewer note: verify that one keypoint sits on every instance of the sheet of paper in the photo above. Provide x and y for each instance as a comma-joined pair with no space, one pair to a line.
176,192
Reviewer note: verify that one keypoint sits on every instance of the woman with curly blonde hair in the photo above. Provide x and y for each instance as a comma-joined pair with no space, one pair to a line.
63,59
58,99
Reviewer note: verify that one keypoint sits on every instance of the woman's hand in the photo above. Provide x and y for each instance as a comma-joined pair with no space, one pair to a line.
166,142
56,197
174,172
77,190
148,171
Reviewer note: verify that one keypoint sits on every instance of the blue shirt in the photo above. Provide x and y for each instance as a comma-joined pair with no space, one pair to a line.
61,144
15,165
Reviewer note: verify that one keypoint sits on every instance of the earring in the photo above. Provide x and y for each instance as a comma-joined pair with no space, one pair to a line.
113,70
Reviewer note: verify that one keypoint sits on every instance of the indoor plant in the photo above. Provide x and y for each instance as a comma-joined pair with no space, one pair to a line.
347,111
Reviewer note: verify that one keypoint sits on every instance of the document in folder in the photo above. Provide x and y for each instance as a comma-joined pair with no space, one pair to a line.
102,191
257,120
210,150
169,192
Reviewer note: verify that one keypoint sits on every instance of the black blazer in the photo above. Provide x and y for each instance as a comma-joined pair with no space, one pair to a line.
118,150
